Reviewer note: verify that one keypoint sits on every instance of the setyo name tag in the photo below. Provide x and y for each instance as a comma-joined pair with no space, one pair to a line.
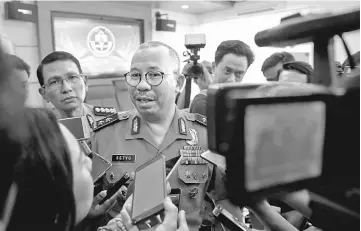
124,158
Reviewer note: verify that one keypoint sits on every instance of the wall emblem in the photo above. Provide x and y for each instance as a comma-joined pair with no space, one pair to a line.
101,41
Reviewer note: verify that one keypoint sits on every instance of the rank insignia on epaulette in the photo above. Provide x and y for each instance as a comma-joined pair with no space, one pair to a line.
104,111
201,119
182,126
136,125
105,121
90,120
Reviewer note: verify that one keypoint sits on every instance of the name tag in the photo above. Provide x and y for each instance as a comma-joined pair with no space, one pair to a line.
123,158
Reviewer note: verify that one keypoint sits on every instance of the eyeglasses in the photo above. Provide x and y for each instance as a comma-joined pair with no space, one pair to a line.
153,78
58,82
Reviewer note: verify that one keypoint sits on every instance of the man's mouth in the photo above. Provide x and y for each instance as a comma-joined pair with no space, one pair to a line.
144,99
69,98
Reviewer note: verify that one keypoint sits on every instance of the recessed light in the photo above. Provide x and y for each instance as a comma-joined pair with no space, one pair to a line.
185,6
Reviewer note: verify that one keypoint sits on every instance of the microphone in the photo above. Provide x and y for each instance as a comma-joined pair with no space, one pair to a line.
307,29
111,191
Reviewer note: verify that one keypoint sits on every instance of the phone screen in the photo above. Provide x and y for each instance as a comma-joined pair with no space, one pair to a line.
149,187
100,166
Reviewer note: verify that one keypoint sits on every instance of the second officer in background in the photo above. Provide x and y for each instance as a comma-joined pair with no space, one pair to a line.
64,85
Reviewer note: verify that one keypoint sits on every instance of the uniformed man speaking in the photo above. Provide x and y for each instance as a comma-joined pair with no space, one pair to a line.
157,126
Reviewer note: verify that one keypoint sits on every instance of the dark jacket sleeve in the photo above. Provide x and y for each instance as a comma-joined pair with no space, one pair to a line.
199,105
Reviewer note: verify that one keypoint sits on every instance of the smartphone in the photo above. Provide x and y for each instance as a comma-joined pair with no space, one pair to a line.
175,166
228,220
175,196
113,189
149,191
99,164
78,126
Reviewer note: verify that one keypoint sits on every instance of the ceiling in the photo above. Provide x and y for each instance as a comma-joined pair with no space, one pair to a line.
195,7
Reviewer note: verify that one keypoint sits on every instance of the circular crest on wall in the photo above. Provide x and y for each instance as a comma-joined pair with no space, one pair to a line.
101,41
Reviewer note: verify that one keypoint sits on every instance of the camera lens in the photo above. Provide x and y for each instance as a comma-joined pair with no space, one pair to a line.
196,70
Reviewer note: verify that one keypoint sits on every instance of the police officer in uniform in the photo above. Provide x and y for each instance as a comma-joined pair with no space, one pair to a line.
63,84
130,139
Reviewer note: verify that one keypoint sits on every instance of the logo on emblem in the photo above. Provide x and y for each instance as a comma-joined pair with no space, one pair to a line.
194,139
101,41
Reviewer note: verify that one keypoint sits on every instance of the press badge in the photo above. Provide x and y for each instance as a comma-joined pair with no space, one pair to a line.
121,158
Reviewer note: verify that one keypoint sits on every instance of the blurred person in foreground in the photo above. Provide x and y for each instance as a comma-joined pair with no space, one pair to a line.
274,63
231,62
12,134
21,70
52,175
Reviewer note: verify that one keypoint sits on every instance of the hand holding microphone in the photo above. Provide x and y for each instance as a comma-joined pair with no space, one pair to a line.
105,200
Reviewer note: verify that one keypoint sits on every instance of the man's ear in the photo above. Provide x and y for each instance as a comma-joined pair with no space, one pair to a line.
181,81
213,67
42,93
86,82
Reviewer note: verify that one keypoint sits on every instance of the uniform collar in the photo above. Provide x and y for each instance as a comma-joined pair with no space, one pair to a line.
87,109
179,129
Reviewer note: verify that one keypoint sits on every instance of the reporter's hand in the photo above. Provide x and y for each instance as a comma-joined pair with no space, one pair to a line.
97,210
204,80
129,201
172,217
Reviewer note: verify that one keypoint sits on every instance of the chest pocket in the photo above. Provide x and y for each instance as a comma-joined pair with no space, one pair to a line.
193,179
121,163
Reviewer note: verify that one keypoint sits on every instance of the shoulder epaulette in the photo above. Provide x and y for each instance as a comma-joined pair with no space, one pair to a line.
104,111
102,123
197,117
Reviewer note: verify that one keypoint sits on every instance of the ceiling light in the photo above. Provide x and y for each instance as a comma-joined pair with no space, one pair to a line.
185,6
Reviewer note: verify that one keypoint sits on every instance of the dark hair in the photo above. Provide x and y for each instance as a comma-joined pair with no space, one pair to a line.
44,176
235,47
299,66
278,57
53,57
356,58
17,63
12,129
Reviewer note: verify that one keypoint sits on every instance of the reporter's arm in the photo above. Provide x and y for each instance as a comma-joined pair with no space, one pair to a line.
270,217
299,201
172,220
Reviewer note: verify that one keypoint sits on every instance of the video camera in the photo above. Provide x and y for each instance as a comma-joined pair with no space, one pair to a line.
194,42
282,137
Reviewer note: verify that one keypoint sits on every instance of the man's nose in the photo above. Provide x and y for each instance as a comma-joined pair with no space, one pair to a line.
231,78
66,87
144,85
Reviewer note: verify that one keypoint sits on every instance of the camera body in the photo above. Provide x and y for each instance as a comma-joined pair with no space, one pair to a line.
272,142
282,137
194,42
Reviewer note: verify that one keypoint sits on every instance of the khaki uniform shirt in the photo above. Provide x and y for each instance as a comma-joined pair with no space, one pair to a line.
127,142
